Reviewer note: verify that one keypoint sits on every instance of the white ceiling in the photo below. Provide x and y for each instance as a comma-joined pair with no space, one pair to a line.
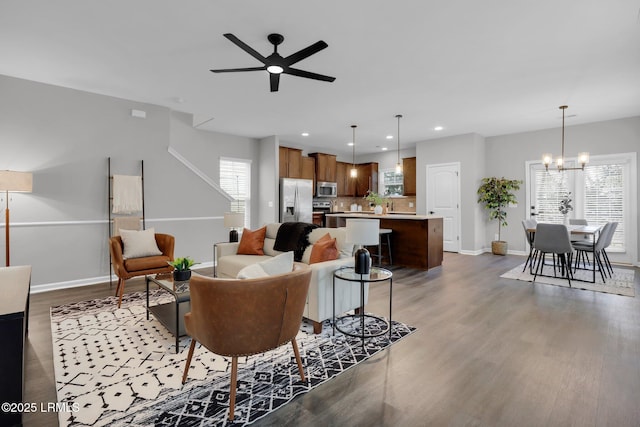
492,67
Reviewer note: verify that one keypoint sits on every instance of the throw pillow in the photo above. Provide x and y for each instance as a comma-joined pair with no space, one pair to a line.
280,264
252,242
138,244
324,249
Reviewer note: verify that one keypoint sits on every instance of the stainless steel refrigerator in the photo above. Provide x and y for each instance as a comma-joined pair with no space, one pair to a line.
296,198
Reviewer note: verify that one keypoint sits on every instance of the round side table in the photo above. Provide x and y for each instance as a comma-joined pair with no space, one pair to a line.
376,274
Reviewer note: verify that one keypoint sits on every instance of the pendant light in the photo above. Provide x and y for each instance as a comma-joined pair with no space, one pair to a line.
547,158
398,164
354,171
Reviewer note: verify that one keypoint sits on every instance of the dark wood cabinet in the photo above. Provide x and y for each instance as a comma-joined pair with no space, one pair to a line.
409,176
14,316
346,184
309,171
367,178
290,162
325,167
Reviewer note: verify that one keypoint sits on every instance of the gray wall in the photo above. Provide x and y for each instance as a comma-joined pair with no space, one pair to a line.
469,151
64,137
599,138
506,155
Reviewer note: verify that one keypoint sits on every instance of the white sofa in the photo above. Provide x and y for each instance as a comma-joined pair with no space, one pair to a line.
320,299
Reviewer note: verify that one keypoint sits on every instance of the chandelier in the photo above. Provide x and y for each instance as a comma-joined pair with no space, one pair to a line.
547,158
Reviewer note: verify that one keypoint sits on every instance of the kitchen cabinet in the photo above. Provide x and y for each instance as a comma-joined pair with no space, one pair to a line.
290,162
367,178
325,167
308,170
346,184
409,176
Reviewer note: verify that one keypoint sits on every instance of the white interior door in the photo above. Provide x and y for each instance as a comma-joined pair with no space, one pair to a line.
443,199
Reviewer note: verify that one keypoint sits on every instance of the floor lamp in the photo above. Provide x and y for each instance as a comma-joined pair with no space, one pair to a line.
12,181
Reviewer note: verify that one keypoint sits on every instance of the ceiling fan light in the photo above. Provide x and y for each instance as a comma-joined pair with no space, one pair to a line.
275,69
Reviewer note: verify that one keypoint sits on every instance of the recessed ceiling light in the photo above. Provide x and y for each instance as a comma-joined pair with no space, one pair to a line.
438,128
384,148
305,134
389,136
350,144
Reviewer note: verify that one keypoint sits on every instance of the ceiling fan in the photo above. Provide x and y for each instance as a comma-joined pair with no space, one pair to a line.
275,64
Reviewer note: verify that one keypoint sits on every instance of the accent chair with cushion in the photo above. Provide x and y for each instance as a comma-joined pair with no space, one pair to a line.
134,255
236,318
324,254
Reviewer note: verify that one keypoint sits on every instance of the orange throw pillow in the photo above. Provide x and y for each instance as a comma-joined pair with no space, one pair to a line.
324,249
252,242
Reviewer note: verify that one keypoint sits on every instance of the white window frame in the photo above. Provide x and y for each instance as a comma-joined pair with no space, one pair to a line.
382,184
234,193
630,215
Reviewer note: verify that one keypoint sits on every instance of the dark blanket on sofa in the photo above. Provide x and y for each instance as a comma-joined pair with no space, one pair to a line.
293,236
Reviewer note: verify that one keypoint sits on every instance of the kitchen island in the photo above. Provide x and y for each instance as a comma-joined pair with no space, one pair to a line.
416,240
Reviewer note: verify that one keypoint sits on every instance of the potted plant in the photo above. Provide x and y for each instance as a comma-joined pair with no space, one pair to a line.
565,207
182,268
496,194
377,200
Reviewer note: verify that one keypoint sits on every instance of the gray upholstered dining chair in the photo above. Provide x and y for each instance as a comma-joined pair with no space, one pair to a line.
528,224
553,239
607,243
597,250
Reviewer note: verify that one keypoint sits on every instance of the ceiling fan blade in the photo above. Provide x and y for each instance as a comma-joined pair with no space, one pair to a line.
275,81
233,70
308,74
305,53
242,45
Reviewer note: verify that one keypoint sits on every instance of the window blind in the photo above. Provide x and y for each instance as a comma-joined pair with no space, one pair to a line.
604,198
235,179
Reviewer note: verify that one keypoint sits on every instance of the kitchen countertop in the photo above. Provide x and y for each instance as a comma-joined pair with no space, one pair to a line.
387,216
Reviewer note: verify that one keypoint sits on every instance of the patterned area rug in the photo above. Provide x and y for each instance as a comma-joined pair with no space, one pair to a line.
114,367
622,282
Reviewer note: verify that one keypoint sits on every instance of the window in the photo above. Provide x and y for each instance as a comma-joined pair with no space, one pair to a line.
235,179
391,183
600,194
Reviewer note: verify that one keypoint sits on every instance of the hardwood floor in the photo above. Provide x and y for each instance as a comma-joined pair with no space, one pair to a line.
488,352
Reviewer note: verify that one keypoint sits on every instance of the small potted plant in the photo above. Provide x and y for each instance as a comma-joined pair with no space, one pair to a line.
377,200
182,268
496,194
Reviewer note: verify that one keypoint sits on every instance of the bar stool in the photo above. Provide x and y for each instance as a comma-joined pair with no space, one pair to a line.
386,232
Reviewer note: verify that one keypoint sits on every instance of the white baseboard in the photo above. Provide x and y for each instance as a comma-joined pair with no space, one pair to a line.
46,287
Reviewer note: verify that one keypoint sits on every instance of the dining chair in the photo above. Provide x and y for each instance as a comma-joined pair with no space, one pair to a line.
583,248
528,224
607,243
553,239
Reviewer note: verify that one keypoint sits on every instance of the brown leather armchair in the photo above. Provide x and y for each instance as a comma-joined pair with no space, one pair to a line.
134,267
243,317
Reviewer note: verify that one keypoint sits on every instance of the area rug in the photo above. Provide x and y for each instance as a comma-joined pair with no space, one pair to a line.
621,282
114,367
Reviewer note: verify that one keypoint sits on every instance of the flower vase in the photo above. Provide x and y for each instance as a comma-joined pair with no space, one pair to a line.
566,220
377,210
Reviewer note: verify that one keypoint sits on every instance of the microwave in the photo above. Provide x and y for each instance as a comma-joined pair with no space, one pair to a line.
326,189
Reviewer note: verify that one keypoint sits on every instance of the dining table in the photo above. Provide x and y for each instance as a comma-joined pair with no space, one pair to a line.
590,231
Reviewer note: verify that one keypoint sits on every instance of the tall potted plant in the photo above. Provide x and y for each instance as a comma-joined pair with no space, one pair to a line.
496,194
